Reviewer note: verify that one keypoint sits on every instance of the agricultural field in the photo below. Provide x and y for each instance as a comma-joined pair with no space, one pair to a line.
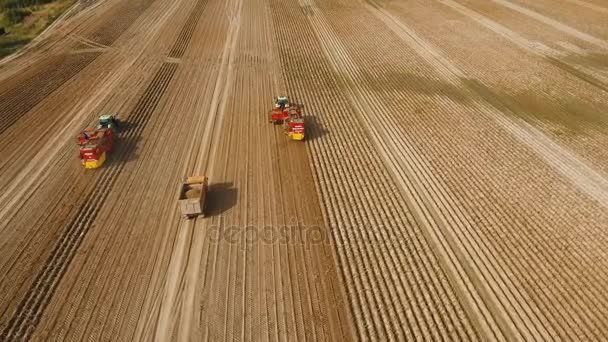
452,185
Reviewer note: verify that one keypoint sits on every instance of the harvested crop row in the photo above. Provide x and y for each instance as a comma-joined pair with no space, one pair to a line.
249,287
354,222
562,102
433,144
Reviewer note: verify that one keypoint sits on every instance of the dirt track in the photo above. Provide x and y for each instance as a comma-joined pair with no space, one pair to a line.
453,184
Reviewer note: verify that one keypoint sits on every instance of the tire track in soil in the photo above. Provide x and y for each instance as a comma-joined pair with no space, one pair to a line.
110,31
568,111
86,309
303,282
496,309
280,17
205,162
406,109
182,266
28,312
536,48
172,69
568,164
554,23
363,102
558,290
185,35
589,5
286,288
186,77
371,323
21,98
34,170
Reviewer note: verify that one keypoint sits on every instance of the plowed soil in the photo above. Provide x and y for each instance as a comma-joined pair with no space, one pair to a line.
453,184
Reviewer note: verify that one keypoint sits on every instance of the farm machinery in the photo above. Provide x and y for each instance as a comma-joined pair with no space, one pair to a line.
94,144
108,121
280,110
192,195
289,115
294,126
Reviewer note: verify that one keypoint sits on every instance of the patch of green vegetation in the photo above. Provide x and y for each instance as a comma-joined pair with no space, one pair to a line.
22,20
9,44
16,15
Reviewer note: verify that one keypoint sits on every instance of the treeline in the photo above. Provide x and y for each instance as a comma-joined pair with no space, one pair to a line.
8,4
16,15
16,10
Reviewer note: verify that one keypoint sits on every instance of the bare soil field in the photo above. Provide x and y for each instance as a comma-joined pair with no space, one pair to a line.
453,184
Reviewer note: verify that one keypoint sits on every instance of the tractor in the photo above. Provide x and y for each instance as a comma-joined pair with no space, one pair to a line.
281,110
108,121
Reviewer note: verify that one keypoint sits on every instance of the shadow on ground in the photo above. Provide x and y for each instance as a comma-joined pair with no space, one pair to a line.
125,145
220,198
570,115
314,129
592,59
387,82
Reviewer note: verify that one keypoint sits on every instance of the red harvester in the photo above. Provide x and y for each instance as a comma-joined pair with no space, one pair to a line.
294,125
93,145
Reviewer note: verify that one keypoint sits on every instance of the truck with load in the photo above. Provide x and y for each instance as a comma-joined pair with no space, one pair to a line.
192,196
